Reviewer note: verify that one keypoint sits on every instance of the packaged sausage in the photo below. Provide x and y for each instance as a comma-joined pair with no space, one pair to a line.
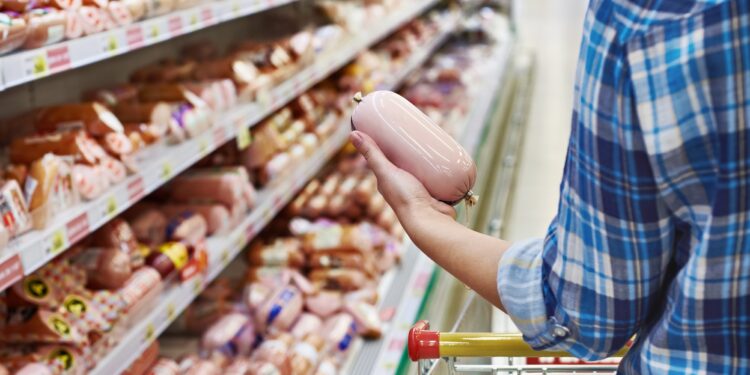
13,32
149,224
302,283
136,8
45,26
255,294
217,216
170,92
339,331
34,290
228,185
190,119
327,366
281,310
40,326
143,285
428,152
158,113
274,352
119,13
84,315
188,228
336,238
325,303
164,366
283,252
114,169
367,318
107,268
13,209
92,19
305,355
306,324
233,335
118,234
345,279
117,144
124,93
337,259
90,182
169,257
26,150
144,362
91,116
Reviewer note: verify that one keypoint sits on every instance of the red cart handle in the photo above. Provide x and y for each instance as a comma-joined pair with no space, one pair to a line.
423,343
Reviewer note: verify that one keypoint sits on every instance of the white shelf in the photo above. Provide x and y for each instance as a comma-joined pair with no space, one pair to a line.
25,66
224,249
159,164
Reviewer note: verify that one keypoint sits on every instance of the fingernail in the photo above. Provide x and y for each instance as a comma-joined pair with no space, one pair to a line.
356,139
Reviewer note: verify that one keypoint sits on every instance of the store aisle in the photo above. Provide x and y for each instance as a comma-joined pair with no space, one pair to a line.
552,30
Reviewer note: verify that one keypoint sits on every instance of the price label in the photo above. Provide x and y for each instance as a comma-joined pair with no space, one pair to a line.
136,189
264,98
39,66
175,25
134,36
207,15
154,32
166,171
240,241
110,44
171,311
11,270
111,206
148,336
236,8
197,286
225,257
243,137
193,20
203,146
57,242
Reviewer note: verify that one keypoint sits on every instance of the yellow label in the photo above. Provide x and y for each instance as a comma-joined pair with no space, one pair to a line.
225,256
243,137
236,7
171,311
203,146
35,287
176,252
197,286
154,31
63,357
166,170
58,242
150,332
112,44
193,20
111,206
60,326
40,65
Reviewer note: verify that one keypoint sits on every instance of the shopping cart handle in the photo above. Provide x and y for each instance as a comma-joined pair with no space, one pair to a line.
423,343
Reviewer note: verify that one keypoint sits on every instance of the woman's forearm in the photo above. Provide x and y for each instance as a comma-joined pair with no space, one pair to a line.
470,256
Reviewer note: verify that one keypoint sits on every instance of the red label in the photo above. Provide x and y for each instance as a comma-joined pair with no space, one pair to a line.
78,228
207,15
136,190
175,25
219,136
11,270
422,279
134,36
396,345
387,314
250,231
58,58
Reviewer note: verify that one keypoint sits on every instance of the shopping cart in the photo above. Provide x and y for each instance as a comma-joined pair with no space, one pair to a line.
428,347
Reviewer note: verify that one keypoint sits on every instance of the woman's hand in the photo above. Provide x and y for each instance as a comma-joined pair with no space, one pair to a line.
403,192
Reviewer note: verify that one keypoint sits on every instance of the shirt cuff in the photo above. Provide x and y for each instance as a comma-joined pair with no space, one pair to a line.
520,285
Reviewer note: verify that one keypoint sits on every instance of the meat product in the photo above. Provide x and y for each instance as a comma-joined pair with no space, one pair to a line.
142,364
106,268
217,217
190,119
40,326
427,151
119,13
114,169
229,186
275,352
96,3
45,26
367,294
13,209
341,279
90,182
337,259
144,282
337,238
326,367
187,227
339,331
13,32
157,113
367,318
136,8
149,225
119,235
164,367
280,310
305,355
92,19
91,116
302,283
169,257
255,294
283,252
324,303
306,324
233,335
35,369
275,167
114,95
170,92
26,150
203,367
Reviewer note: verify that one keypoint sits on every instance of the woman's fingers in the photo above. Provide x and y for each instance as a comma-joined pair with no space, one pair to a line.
375,158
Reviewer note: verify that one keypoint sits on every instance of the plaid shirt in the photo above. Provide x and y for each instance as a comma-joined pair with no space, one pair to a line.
652,232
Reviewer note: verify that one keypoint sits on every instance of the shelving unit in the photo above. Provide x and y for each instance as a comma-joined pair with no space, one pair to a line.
159,164
224,249
26,66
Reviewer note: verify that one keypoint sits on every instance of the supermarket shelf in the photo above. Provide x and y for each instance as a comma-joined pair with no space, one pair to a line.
161,163
222,250
384,356
26,66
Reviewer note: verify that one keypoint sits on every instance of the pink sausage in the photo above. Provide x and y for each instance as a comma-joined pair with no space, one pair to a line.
281,310
216,215
307,323
414,143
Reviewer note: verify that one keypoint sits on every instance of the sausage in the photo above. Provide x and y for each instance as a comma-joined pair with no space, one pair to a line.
158,113
255,294
413,142
136,8
169,257
119,235
324,304
191,119
339,331
306,324
233,335
90,182
13,32
149,224
117,144
35,369
302,283
367,318
164,366
96,3
113,95
114,169
276,166
45,26
203,367
305,355
13,209
92,19
341,278
144,361
93,117
187,227
144,281
217,217
26,150
315,206
283,252
119,13
42,326
106,268
281,310
274,352
229,186
336,259
337,238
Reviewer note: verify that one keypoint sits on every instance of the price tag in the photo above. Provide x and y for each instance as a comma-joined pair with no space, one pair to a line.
38,65
203,146
78,228
207,15
57,242
166,171
193,20
136,189
264,98
240,241
235,8
225,257
197,286
111,206
171,311
110,44
134,36
175,25
243,137
154,32
148,336
11,270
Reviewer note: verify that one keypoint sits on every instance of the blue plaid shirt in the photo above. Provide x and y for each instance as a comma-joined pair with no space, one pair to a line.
652,235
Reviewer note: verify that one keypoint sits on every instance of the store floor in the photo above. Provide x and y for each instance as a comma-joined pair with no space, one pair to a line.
552,30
